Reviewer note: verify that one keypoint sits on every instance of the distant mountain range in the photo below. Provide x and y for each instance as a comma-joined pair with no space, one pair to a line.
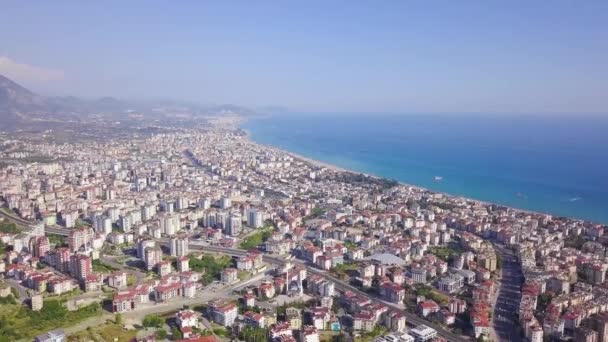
20,106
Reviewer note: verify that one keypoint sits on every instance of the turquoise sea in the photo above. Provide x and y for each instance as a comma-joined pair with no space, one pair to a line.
552,164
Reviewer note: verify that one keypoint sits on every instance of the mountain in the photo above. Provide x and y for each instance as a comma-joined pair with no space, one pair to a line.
15,101
22,107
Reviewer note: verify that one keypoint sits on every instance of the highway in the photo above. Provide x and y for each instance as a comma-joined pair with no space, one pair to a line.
15,219
411,319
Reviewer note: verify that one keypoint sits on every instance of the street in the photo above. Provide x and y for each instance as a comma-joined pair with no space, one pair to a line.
506,309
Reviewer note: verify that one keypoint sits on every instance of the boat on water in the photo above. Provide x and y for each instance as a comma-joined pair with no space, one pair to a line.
438,178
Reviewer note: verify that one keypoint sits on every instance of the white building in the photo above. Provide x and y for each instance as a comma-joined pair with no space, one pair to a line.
178,246
255,218
422,333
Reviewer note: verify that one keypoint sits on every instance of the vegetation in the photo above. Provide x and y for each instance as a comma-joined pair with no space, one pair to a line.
575,242
432,294
446,253
131,279
10,299
57,240
99,266
161,335
118,318
9,228
343,270
210,266
20,323
153,321
251,334
256,239
360,178
221,331
543,301
176,334
371,335
104,332
315,213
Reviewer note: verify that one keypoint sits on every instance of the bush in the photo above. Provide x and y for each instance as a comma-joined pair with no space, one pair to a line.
153,321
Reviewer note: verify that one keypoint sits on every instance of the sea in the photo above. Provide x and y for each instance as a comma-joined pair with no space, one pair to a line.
555,164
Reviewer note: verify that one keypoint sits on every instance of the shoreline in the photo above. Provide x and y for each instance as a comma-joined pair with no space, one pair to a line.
249,138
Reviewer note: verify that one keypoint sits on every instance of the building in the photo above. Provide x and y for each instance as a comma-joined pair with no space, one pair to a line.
169,223
392,292
422,333
255,218
451,283
183,264
395,337
124,301
225,203
233,225
584,334
152,256
186,318
178,246
309,334
81,266
117,280
37,302
57,335
600,324
80,238
164,293
223,313
419,275
229,275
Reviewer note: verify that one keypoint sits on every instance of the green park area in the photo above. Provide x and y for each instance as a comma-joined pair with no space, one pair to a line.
109,331
9,228
257,238
18,322
210,266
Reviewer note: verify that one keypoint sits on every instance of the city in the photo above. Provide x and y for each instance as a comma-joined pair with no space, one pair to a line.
200,234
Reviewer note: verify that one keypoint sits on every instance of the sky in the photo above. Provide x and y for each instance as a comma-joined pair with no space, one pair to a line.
403,56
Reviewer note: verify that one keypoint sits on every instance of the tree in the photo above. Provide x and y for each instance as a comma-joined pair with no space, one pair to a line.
153,321
176,334
161,335
251,334
118,318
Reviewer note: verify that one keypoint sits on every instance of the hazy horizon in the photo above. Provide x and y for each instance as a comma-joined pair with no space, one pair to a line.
475,57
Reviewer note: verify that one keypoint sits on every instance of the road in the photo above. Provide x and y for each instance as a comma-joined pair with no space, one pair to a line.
14,218
410,318
509,294
57,231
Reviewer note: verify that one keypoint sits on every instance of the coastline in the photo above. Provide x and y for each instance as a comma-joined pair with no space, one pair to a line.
249,138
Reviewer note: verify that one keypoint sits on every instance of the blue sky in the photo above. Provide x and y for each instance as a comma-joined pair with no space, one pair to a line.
410,56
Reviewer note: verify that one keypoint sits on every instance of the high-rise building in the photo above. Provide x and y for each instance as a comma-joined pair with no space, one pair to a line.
225,203
255,218
80,238
204,203
152,256
584,334
81,266
141,246
233,225
600,324
178,246
170,224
